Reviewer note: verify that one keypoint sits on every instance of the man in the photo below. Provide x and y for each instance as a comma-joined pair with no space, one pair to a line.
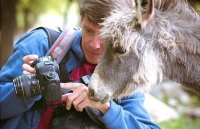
85,52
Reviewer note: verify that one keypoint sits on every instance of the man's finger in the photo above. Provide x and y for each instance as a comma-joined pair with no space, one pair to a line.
27,68
65,96
30,58
25,72
71,85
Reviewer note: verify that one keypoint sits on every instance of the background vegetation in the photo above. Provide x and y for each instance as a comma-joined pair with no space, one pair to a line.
185,120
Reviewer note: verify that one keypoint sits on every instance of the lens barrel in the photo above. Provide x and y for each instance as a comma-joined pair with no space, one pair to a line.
26,86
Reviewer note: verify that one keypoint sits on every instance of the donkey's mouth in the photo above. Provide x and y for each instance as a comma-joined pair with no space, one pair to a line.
101,98
97,89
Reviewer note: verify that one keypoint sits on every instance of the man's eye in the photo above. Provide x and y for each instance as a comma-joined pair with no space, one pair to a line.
87,30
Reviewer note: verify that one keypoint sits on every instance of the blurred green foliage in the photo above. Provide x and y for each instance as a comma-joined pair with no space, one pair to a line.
184,122
28,11
197,6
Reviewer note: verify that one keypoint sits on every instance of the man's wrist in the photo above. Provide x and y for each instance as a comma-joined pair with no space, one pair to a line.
104,107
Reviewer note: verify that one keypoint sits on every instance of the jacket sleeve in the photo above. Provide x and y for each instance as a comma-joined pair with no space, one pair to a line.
129,113
35,42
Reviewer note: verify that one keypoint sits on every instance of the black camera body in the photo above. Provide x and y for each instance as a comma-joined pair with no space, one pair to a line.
45,82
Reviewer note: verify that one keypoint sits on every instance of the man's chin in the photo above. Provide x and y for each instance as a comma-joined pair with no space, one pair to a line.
93,60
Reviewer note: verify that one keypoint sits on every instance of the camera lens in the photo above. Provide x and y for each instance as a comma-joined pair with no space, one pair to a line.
26,86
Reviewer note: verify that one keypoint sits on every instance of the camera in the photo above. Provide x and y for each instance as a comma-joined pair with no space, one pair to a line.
45,82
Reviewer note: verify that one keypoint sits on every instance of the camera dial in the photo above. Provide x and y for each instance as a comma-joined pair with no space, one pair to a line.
50,75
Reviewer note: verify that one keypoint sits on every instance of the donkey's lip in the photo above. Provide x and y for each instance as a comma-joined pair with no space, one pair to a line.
106,99
103,98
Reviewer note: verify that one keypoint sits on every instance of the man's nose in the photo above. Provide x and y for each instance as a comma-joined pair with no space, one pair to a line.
95,43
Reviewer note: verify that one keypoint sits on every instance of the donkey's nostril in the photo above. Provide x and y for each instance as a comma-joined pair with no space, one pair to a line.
91,92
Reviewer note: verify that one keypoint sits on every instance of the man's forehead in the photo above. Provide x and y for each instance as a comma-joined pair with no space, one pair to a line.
89,25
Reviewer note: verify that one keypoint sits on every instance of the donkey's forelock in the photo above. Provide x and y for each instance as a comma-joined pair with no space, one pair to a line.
169,14
118,31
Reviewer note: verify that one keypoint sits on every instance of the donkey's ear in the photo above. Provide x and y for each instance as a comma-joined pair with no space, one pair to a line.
144,11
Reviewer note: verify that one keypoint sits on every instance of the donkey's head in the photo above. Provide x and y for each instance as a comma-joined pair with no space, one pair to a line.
125,54
131,60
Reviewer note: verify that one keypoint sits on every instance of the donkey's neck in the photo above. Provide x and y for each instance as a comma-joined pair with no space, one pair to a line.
177,37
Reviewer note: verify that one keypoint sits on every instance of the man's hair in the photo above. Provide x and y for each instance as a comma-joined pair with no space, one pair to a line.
95,10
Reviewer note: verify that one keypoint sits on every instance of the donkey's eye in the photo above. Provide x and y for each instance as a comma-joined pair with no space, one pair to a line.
119,50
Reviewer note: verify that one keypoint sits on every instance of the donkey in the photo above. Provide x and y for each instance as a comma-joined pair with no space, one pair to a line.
145,42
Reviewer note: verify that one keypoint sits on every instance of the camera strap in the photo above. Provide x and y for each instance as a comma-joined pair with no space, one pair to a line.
62,44
59,47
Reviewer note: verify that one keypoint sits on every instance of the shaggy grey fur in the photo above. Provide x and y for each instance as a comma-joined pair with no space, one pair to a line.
145,41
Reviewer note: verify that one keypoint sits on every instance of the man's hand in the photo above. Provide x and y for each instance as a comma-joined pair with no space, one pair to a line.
28,60
80,99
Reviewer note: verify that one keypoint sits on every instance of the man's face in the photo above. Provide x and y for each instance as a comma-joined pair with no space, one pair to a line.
92,45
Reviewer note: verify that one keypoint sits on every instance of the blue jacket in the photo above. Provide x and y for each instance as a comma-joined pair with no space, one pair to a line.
128,113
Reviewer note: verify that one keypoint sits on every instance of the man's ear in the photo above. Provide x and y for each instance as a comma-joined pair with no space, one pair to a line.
144,11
